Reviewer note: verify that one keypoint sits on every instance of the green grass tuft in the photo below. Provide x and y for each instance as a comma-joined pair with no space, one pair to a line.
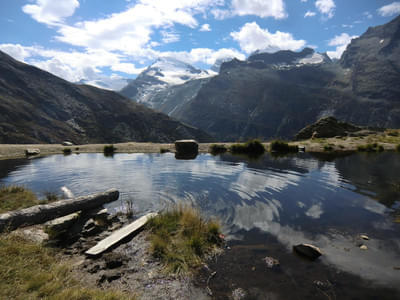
252,147
16,197
181,238
283,147
216,149
375,147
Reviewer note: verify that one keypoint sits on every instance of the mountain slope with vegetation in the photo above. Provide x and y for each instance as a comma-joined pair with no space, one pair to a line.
38,107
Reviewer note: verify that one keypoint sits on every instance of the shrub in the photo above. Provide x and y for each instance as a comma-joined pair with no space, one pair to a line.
328,148
282,146
49,197
392,133
164,150
181,238
370,148
217,149
67,151
109,149
252,147
398,148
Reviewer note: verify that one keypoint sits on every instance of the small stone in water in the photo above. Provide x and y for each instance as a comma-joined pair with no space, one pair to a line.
364,237
271,262
363,247
307,250
238,294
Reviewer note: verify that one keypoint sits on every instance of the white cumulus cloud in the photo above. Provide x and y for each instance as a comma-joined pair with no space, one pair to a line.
326,7
261,8
340,42
251,38
309,14
205,27
50,11
390,9
74,66
204,55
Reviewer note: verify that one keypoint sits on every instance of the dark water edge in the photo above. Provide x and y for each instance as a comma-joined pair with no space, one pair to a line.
266,205
241,270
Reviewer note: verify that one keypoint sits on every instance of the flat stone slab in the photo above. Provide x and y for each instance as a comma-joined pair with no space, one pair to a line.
119,235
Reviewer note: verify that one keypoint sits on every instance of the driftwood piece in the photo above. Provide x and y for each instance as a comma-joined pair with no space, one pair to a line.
42,213
119,235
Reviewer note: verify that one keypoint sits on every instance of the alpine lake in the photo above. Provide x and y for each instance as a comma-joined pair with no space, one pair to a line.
339,203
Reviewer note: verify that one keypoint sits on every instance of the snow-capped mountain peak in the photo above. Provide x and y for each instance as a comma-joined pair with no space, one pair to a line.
163,73
173,72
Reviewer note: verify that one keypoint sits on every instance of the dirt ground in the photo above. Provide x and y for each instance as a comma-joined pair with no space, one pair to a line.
128,267
337,144
16,151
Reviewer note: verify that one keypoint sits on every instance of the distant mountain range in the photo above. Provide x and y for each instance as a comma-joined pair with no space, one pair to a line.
267,95
38,107
276,94
161,75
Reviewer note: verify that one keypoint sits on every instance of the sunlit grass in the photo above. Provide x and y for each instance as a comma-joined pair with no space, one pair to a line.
32,271
181,238
16,197
374,147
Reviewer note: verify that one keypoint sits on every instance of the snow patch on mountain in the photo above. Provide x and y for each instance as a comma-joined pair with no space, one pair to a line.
314,58
174,72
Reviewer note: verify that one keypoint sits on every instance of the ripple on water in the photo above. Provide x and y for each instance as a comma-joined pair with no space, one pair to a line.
295,199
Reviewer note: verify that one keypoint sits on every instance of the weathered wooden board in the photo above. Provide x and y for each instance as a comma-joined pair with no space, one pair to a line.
42,213
119,235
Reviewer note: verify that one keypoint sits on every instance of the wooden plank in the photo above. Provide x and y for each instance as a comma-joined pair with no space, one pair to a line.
39,214
119,235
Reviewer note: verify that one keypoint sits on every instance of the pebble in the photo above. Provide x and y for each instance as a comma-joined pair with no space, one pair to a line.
363,247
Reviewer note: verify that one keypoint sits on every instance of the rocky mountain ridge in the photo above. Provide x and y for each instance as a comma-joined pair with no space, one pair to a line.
276,94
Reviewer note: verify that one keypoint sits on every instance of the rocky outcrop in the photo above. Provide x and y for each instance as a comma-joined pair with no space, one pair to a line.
326,128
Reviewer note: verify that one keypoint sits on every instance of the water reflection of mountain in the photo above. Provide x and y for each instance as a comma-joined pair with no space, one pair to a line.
376,173
9,165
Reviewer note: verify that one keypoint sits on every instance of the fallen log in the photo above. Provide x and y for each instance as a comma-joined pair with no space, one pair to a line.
42,213
119,235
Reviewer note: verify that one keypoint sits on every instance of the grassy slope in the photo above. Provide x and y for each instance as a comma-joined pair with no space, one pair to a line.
31,271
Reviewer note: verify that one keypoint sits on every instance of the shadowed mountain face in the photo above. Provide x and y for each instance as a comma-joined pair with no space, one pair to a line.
37,107
277,94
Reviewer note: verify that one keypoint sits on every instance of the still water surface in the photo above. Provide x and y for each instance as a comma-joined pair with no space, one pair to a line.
266,206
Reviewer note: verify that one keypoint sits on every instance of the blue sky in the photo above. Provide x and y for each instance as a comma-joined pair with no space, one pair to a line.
108,40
